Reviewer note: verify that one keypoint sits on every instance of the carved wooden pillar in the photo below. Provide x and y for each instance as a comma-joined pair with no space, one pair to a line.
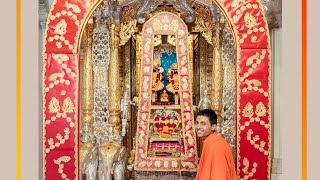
114,80
217,75
87,87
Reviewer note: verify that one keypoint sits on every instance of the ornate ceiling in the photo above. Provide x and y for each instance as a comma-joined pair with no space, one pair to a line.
273,9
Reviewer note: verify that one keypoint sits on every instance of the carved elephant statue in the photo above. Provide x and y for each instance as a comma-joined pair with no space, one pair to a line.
85,148
110,153
88,160
120,165
100,162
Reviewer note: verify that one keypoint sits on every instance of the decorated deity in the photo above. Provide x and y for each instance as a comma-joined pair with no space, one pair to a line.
157,79
165,133
165,124
173,78
158,124
164,96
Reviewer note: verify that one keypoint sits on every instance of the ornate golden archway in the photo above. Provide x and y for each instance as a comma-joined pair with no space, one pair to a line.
65,25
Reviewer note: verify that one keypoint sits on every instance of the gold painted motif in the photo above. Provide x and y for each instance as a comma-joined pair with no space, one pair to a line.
260,110
174,164
62,140
147,45
157,163
254,61
74,7
256,57
71,124
180,32
63,92
54,77
253,141
249,112
250,22
235,3
58,78
190,139
164,25
60,29
246,164
127,29
60,58
254,85
59,161
145,163
253,38
88,5
166,164
183,47
188,165
54,106
68,106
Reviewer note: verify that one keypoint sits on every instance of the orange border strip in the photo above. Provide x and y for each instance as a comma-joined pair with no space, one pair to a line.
18,90
304,89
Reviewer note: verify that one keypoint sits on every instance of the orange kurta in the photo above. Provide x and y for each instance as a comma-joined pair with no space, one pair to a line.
216,162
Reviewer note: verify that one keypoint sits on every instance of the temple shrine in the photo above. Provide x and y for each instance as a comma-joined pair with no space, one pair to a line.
124,79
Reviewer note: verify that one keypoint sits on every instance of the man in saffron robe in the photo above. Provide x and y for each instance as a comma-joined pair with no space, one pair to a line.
216,162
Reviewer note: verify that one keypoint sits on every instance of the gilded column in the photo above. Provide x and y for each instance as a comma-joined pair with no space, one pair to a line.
114,81
190,51
203,66
138,62
87,87
217,75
